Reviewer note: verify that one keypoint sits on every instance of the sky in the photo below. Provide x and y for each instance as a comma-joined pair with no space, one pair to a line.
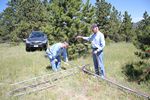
3,5
135,8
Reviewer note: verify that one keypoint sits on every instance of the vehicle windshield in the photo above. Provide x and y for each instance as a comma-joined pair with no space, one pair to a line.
36,34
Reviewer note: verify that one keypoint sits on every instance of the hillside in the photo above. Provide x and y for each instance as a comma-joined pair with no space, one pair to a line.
17,65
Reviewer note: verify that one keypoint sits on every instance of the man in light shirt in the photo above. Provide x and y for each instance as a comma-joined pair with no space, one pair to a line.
97,43
54,54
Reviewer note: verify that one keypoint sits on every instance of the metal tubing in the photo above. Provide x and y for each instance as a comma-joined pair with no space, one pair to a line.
121,86
38,77
22,89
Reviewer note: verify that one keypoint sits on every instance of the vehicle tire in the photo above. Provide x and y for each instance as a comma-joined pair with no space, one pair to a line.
40,49
27,49
45,47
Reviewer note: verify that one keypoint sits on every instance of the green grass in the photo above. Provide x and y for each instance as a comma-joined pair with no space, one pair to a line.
16,65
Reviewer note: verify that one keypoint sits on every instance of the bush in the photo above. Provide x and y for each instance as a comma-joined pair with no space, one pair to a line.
137,71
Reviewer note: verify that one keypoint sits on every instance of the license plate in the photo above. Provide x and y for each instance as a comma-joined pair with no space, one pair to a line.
35,45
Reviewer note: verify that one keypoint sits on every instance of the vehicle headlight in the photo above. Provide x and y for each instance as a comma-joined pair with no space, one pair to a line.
44,41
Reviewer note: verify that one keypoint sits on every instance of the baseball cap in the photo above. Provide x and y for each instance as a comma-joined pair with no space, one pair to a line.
94,25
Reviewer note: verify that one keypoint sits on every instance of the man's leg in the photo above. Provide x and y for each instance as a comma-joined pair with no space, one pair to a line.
58,63
101,64
95,64
53,63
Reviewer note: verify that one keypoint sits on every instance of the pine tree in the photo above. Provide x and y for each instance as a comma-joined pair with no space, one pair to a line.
115,22
32,15
142,41
103,10
7,23
126,31
23,17
140,70
67,20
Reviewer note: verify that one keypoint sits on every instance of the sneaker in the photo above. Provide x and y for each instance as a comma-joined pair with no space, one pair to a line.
59,69
102,76
94,76
55,70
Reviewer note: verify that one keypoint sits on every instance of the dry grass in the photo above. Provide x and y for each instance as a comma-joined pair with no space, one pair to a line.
16,65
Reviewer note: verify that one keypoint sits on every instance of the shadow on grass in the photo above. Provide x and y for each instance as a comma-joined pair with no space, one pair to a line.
50,67
137,71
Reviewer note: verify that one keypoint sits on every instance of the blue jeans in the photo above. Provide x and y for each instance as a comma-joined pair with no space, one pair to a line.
55,64
98,63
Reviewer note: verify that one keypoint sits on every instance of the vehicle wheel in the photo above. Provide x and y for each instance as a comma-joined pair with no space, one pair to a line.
40,49
27,49
45,47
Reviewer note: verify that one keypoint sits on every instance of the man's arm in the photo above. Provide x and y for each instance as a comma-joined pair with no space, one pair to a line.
64,54
85,38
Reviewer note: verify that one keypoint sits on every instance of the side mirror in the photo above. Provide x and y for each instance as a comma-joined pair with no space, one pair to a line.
24,40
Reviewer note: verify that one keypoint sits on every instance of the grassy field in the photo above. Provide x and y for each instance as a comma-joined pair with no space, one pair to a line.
16,65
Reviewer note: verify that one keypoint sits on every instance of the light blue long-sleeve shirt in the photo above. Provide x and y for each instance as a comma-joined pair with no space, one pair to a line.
56,50
97,40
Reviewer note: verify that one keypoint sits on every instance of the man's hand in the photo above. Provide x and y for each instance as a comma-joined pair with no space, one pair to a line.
79,37
55,60
50,57
95,52
66,63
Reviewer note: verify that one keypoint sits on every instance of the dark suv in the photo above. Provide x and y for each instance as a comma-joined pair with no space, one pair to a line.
36,39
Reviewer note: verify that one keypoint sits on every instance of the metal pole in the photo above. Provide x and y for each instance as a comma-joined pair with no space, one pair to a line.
32,86
121,86
38,77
